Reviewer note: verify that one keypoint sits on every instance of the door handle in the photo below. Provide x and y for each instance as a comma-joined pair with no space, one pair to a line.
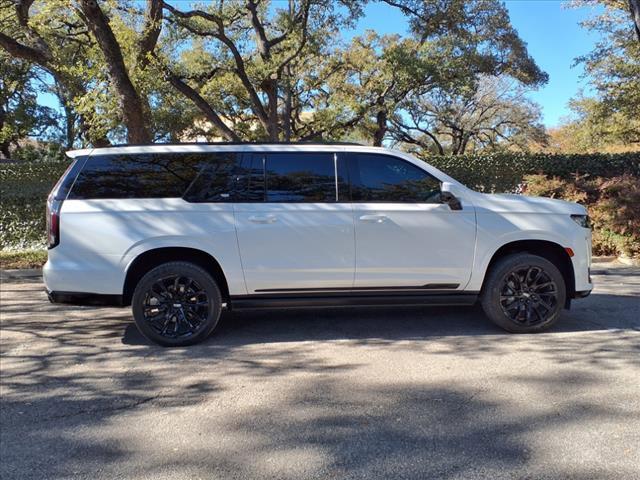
374,218
264,219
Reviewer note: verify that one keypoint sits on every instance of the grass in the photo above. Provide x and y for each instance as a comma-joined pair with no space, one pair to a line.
22,259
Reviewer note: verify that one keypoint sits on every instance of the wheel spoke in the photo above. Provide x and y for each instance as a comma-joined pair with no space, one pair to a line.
528,295
176,306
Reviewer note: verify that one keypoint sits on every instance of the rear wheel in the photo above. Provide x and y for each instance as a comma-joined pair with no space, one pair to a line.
524,293
176,304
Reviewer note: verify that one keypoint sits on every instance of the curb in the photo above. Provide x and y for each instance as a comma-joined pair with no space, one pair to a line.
20,273
632,262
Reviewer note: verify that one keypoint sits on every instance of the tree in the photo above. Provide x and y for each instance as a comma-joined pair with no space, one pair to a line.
20,114
452,43
492,113
613,68
256,46
254,69
133,106
56,42
76,46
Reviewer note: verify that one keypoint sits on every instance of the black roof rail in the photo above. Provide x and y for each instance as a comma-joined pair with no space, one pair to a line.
173,144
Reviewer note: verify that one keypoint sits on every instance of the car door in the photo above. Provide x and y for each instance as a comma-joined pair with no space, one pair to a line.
405,236
294,233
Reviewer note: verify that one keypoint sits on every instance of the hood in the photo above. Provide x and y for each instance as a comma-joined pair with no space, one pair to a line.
523,204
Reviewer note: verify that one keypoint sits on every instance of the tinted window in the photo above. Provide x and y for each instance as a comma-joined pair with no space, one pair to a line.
61,189
300,177
217,181
382,178
251,179
161,175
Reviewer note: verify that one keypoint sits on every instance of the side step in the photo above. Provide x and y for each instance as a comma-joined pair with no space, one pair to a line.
301,301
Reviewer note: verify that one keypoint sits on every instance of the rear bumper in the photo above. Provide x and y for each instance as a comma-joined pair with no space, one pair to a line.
80,298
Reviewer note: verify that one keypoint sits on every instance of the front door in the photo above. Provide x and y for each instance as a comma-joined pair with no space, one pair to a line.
298,237
405,236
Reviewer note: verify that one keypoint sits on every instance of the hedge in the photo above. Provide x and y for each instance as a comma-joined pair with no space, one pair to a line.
504,172
23,193
24,186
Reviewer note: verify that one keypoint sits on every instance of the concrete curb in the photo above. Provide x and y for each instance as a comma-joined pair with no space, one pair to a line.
20,273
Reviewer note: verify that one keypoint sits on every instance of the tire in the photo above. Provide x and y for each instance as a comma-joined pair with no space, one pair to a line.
176,304
523,293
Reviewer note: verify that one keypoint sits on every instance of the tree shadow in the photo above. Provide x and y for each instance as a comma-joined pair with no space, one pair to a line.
70,373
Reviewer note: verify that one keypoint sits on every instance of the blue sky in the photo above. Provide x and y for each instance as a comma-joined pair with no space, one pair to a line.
551,31
553,36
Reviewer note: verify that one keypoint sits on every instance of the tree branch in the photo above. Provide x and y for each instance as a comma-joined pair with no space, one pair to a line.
199,102
150,31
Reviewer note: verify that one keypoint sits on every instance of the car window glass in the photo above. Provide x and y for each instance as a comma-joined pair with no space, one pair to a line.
383,178
300,177
157,175
217,181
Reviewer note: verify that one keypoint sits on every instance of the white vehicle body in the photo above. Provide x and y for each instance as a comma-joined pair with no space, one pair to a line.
263,248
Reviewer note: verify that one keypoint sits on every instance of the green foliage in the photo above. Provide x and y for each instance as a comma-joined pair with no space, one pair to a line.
20,114
612,204
613,68
24,188
505,172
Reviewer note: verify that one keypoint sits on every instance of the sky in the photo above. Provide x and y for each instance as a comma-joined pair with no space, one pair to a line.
554,38
551,31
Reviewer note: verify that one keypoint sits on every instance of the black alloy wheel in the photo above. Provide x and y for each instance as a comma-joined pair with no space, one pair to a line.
529,296
176,304
523,293
176,307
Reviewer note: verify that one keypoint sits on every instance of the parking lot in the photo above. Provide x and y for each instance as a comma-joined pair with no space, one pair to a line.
323,393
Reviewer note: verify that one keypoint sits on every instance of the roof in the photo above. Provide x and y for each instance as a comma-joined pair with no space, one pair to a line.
223,146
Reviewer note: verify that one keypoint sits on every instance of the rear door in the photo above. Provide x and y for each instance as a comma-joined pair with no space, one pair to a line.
295,233
405,236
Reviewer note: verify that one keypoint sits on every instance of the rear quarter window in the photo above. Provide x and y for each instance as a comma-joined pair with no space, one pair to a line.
157,175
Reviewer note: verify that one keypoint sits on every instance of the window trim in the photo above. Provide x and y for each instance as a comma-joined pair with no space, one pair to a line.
351,165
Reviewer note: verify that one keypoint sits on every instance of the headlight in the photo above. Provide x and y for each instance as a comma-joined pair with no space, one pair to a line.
582,220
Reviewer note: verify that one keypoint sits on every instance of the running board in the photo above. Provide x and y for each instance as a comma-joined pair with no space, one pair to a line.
351,300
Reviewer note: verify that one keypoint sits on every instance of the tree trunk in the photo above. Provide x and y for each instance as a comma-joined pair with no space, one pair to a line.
129,100
288,107
634,7
271,90
381,127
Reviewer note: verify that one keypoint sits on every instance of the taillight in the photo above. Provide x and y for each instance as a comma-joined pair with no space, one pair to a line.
53,221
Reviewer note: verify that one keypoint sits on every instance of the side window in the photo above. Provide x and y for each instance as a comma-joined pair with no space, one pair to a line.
251,179
157,175
300,177
383,178
217,181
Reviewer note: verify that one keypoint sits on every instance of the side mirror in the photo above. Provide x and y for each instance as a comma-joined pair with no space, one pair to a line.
448,196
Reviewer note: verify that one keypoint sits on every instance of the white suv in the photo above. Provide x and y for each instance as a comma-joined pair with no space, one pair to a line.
181,232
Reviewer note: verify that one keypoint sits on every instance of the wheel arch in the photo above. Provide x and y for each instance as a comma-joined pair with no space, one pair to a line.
150,259
547,249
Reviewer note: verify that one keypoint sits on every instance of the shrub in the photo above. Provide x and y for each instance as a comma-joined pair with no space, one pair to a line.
613,205
23,192
504,172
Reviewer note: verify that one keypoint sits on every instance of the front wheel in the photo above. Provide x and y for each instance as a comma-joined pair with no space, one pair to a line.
176,304
523,293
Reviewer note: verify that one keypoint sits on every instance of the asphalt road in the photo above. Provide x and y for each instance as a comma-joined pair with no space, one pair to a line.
342,393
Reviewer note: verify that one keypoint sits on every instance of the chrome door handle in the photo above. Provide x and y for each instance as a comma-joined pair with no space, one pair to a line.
265,219
374,218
